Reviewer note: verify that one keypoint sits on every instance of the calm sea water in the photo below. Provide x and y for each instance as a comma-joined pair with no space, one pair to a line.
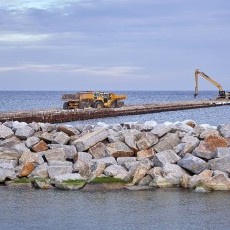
156,209
116,210
10,101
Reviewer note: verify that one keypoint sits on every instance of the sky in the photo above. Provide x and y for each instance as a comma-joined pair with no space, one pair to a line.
113,44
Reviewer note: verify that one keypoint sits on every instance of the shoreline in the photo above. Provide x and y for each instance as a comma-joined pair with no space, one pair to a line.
129,156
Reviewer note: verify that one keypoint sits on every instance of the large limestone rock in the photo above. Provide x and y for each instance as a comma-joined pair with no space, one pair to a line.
209,131
173,169
54,155
9,154
114,136
83,164
8,164
131,141
97,169
119,149
31,141
169,141
98,150
219,182
207,148
167,156
68,176
56,170
7,174
9,142
61,138
224,130
40,146
24,132
117,171
5,132
222,164
27,169
20,148
192,182
147,141
204,151
193,164
147,153
27,157
90,139
161,182
106,160
161,129
40,171
222,152
70,150
69,130
47,137
139,174
214,141
123,160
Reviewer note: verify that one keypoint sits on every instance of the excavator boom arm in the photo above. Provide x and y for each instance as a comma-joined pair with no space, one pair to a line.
197,73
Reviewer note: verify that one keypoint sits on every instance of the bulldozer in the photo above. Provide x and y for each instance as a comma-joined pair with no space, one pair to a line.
93,99
222,93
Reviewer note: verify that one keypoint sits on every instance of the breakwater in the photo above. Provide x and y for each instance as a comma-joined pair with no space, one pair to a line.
59,115
129,155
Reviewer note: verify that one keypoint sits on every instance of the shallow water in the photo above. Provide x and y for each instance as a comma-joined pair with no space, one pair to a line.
152,209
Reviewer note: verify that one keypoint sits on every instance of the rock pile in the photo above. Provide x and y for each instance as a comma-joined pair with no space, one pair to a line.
128,155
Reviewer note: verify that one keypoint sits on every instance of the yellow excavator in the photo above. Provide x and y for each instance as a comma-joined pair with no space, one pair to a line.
222,94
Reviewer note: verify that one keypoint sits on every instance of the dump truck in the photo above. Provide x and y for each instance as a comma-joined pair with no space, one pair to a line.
93,99
222,93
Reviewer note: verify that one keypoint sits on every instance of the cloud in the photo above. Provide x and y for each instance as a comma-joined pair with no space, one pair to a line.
94,71
20,37
41,4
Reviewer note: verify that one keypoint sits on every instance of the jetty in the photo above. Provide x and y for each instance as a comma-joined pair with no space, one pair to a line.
60,115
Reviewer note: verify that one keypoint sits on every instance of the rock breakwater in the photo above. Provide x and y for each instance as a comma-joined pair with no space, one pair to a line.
129,155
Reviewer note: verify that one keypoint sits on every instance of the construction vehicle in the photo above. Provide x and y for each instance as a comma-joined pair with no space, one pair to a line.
94,99
221,95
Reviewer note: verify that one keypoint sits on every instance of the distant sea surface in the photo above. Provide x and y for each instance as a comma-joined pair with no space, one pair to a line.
173,209
26,100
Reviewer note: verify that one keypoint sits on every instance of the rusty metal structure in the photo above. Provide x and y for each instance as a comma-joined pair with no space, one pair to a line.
59,115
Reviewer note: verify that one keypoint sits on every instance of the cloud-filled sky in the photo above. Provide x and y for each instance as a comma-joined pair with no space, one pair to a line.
113,44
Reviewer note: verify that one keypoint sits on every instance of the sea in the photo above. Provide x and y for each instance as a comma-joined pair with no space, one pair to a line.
166,209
